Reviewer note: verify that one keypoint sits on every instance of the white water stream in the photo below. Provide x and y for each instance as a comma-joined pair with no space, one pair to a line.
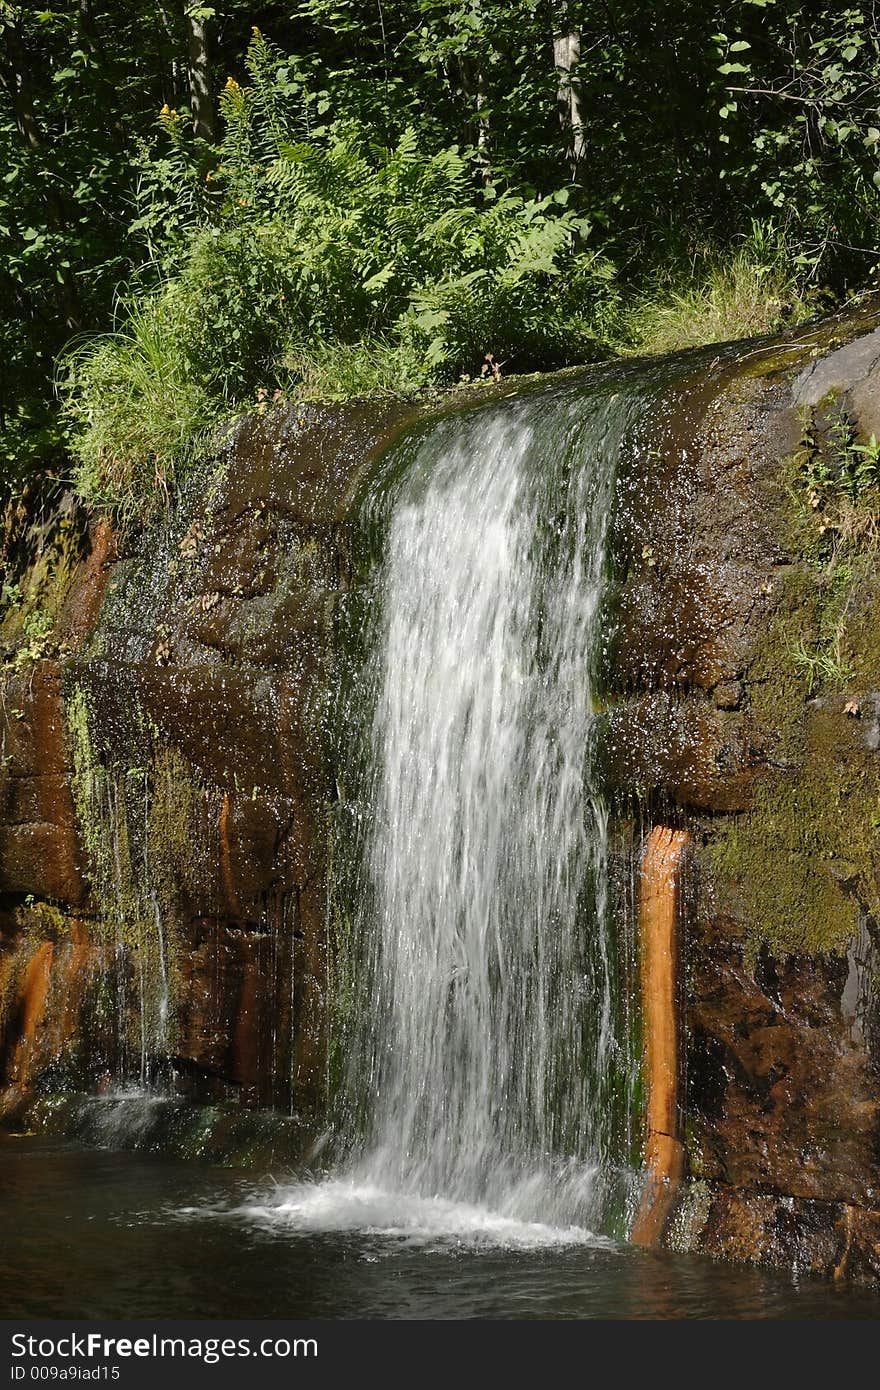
488,1059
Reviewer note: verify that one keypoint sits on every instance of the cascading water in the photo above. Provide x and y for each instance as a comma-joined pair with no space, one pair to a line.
491,1057
492,1003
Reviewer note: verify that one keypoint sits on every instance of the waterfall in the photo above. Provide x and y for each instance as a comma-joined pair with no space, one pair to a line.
490,1057
489,1035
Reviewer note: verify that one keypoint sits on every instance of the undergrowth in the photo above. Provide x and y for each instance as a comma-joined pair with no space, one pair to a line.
836,486
137,413
317,263
719,296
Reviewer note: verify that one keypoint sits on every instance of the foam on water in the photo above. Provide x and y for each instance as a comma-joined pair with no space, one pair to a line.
343,1205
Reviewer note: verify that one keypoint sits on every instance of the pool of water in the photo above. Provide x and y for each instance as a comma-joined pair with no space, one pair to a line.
99,1234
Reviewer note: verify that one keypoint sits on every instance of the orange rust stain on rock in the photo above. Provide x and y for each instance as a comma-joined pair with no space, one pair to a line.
39,849
658,929
33,994
84,599
75,969
226,859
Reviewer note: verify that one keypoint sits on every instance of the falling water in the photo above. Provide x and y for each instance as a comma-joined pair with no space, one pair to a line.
491,973
492,1060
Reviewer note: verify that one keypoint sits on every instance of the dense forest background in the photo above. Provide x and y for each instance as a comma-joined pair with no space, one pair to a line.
204,207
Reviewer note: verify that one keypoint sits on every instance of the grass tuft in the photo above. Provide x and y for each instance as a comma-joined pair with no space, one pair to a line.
134,411
720,297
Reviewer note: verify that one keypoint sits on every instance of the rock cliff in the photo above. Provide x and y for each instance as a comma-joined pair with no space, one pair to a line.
168,777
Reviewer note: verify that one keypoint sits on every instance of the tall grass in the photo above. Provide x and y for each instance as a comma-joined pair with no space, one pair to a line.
719,296
372,368
135,410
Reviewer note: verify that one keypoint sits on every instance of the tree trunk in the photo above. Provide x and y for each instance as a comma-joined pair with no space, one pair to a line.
566,57
472,84
16,79
200,98
168,27
484,157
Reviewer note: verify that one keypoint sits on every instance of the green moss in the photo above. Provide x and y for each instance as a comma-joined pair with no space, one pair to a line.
84,786
35,590
799,864
222,1134
36,923
42,921
145,833
798,867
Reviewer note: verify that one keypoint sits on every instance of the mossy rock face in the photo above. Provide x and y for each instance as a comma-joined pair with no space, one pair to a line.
746,651
799,867
166,774
742,702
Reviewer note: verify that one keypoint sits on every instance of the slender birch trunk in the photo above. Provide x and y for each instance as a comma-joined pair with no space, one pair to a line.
566,57
199,68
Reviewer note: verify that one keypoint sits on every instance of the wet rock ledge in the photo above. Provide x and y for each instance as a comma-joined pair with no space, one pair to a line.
168,777
744,707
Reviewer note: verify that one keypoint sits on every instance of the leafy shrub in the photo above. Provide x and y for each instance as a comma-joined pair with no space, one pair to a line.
800,125
321,264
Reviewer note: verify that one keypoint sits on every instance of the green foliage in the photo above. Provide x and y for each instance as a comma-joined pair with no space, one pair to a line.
836,495
323,263
37,632
64,185
843,469
38,625
81,82
822,666
375,368
720,297
801,123
836,487
136,410
396,173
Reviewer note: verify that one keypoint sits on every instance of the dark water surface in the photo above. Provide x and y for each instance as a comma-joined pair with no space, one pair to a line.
92,1234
